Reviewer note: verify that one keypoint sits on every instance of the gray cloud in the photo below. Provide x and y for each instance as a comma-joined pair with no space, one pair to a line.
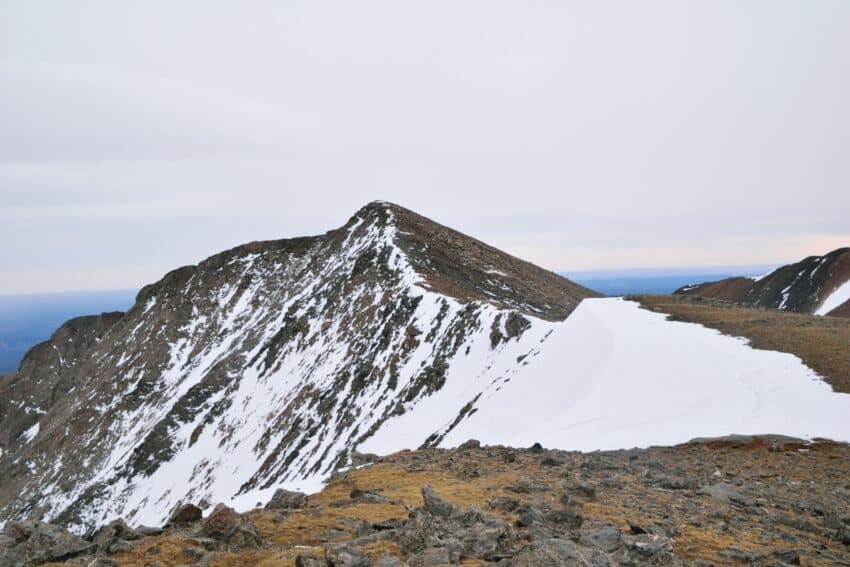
71,113
578,135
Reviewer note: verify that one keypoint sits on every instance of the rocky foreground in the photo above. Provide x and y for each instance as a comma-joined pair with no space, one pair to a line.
737,500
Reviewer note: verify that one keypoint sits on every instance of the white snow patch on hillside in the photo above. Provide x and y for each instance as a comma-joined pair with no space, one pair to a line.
835,299
30,433
613,375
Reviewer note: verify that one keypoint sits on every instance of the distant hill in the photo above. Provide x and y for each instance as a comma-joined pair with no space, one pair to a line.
818,285
657,280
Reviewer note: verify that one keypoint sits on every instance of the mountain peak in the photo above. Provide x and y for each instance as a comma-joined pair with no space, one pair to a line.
460,266
446,261
269,364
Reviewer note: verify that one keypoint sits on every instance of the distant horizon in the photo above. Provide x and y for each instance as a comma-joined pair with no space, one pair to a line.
613,273
29,318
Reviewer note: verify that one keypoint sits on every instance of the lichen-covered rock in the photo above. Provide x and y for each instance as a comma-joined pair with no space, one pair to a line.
31,543
107,537
469,445
185,514
528,516
345,556
569,517
436,505
387,560
236,530
287,500
608,538
550,552
430,556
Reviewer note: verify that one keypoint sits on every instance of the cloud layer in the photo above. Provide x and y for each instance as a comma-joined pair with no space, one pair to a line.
580,136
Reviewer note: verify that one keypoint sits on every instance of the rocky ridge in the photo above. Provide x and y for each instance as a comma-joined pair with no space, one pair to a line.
756,500
802,287
264,366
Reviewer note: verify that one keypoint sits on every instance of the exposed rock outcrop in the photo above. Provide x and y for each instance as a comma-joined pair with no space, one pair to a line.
803,287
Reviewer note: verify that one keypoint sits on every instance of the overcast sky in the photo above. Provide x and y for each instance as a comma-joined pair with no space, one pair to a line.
137,137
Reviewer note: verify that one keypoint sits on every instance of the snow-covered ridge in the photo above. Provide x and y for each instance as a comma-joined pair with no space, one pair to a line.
260,369
616,376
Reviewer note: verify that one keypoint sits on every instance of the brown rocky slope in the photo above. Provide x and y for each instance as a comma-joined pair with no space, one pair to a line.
731,501
801,287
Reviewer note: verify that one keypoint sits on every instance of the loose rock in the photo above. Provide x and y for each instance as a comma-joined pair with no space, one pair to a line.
436,505
185,514
287,500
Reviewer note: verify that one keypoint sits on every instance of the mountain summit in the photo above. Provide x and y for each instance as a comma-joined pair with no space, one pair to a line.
266,365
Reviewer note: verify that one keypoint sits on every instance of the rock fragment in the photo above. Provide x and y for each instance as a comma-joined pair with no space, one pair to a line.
287,500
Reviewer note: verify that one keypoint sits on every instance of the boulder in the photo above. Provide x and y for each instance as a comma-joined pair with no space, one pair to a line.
118,546
586,489
528,516
503,504
551,552
521,486
387,560
345,556
569,517
287,500
725,493
108,536
430,556
607,538
436,505
185,514
653,546
368,496
237,530
359,459
788,556
36,542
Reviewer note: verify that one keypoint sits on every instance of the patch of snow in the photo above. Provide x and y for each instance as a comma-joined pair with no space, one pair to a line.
30,433
149,305
59,354
613,375
835,299
786,294
823,261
